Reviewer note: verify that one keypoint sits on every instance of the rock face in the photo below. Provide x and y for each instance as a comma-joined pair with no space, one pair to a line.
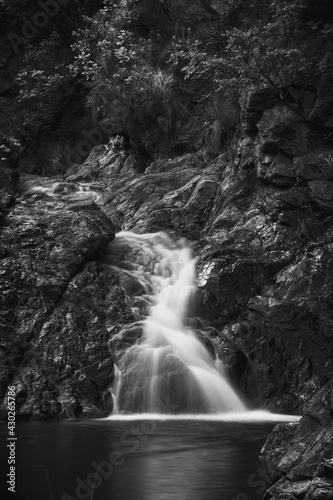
301,454
55,308
259,219
261,227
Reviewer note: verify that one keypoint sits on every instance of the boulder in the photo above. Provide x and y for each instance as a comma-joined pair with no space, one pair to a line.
46,321
303,466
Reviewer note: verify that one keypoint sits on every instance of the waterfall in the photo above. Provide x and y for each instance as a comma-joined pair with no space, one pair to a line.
168,369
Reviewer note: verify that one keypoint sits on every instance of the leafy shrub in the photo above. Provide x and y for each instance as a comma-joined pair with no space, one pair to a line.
152,84
121,74
44,82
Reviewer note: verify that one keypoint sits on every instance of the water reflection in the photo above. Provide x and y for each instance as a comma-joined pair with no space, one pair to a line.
195,472
142,460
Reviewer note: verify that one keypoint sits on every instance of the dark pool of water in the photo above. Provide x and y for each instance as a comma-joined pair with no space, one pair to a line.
141,460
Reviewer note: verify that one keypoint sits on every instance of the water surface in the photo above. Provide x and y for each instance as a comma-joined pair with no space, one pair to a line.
143,459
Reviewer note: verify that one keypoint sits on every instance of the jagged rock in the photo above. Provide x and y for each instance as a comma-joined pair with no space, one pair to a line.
237,368
325,469
71,347
322,112
282,131
320,490
45,242
277,443
316,166
295,197
122,341
8,181
322,193
257,102
305,467
175,195
298,302
287,490
278,169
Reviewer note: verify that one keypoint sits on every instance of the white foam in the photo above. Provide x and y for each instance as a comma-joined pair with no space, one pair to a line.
247,416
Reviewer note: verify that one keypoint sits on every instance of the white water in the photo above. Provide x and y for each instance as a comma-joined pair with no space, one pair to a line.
169,370
244,416
73,191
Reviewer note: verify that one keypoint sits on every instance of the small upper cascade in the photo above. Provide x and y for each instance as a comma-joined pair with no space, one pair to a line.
69,191
169,369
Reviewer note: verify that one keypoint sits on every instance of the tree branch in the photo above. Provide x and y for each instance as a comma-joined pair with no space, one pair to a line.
281,90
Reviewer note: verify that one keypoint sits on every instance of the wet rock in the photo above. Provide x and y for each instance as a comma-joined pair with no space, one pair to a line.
279,170
277,443
322,194
295,197
173,195
320,490
325,469
315,166
238,369
306,462
45,243
227,291
177,390
204,339
7,189
268,332
257,102
71,351
122,341
287,490
282,131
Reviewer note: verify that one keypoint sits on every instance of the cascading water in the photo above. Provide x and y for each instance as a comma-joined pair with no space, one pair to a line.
71,191
168,369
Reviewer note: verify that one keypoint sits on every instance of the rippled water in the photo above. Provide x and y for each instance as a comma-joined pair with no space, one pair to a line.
143,459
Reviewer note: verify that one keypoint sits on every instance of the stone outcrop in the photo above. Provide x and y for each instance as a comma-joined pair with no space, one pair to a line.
54,307
301,454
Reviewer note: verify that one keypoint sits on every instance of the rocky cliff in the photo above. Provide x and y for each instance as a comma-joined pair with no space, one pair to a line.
259,217
301,454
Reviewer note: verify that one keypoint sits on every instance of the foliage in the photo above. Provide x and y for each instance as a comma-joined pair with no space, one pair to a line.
152,84
281,49
10,148
121,73
45,82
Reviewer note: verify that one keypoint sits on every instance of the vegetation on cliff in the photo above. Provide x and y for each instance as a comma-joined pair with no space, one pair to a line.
169,75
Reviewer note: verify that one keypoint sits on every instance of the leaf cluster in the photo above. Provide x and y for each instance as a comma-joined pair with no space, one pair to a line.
154,83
